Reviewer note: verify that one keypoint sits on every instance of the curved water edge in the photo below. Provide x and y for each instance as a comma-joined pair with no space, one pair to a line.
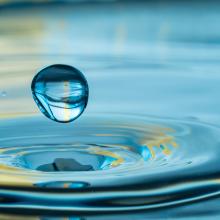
107,163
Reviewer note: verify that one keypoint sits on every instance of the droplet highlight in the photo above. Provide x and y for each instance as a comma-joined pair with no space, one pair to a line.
60,92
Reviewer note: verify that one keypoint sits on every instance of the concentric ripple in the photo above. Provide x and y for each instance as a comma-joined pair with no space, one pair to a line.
131,163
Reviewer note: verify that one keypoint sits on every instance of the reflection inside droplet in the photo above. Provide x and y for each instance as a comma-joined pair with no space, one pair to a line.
63,185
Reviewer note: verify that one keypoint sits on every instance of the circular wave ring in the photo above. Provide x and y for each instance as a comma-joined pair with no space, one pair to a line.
114,163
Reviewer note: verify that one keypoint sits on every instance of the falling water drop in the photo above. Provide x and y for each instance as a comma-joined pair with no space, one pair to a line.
3,93
61,92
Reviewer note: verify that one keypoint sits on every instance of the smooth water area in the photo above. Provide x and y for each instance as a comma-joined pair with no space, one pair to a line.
147,145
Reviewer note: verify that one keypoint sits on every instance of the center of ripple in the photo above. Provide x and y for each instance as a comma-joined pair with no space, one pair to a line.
65,158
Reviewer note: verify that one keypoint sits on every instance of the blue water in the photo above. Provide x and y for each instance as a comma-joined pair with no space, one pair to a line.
61,92
150,132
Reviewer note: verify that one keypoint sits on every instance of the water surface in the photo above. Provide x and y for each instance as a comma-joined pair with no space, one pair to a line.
150,134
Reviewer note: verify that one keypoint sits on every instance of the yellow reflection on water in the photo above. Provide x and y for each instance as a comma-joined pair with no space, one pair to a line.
17,217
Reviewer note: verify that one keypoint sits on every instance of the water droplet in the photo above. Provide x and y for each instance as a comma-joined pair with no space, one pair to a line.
63,184
3,93
61,92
